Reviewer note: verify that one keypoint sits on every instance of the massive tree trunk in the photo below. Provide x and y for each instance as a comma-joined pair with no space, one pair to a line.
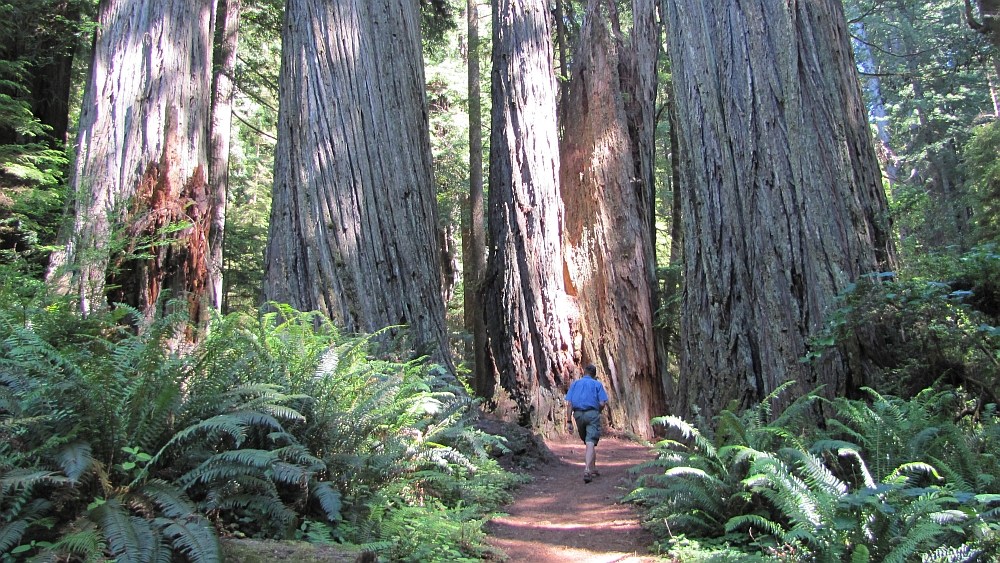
226,40
644,50
474,221
639,83
354,209
783,200
608,245
528,311
140,173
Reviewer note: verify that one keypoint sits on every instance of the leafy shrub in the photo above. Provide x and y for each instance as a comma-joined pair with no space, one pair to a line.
941,325
112,445
892,480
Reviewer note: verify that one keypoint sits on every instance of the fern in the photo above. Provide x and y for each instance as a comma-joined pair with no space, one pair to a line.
266,507
274,418
898,475
170,500
816,475
328,498
750,521
122,532
689,432
11,533
28,478
83,540
234,425
869,487
194,537
922,534
76,460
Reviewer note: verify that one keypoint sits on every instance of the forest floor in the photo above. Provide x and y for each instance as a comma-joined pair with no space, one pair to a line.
558,518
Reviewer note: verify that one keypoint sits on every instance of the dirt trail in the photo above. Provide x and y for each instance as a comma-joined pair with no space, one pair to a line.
558,518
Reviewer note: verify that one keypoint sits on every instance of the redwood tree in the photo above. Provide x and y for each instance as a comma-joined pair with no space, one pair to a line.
353,215
226,40
139,180
782,194
609,249
473,220
528,312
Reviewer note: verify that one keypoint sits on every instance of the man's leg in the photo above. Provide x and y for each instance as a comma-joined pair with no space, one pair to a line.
593,436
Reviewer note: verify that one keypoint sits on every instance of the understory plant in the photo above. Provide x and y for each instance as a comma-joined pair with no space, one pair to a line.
937,321
115,446
397,437
882,480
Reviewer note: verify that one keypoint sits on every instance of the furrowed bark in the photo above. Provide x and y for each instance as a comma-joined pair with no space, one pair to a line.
782,194
608,245
143,155
354,209
529,314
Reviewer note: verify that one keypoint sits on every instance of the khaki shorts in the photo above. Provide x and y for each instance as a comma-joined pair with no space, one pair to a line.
588,424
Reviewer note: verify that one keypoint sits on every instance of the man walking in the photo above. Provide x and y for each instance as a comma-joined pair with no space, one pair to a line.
586,399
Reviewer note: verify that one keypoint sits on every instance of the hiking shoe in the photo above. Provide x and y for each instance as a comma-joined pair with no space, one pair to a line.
595,473
587,477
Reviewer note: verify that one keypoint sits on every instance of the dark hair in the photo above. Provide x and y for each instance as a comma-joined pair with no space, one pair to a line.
590,369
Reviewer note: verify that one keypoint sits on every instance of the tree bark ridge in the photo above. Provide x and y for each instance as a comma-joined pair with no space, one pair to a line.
783,201
529,322
607,241
354,212
145,121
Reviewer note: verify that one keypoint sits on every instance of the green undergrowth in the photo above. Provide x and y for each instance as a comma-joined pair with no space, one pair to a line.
907,473
883,479
936,322
276,426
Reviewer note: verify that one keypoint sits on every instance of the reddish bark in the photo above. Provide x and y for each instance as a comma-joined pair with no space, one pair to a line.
528,312
142,158
172,261
608,247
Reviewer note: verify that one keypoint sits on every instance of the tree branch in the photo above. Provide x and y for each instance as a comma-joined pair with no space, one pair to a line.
254,128
969,17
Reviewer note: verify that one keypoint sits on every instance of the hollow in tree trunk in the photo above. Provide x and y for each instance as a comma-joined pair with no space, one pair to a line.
139,181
